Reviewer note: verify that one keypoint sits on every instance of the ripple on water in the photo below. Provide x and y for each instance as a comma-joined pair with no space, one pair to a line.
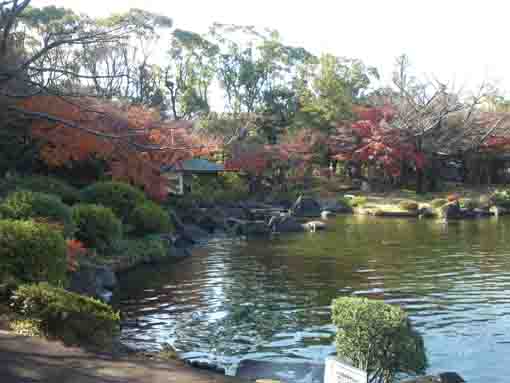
269,299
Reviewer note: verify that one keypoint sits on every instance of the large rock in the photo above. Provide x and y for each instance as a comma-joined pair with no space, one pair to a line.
285,224
426,212
208,223
178,252
313,226
444,377
281,371
306,207
236,212
191,215
95,281
424,379
327,214
499,210
483,212
244,227
450,377
176,220
337,207
192,233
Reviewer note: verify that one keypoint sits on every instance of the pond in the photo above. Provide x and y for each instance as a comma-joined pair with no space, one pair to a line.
268,299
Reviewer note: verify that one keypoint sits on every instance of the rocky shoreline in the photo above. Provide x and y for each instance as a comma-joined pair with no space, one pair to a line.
195,224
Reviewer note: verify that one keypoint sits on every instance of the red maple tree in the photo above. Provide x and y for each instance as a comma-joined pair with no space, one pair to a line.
133,140
373,139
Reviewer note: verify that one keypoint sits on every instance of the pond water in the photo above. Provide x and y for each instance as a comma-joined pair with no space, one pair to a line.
269,299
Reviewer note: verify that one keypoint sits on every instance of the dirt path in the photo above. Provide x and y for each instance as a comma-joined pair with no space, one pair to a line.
31,360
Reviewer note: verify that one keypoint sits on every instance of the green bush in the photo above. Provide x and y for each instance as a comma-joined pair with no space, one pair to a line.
120,197
408,205
149,248
149,218
71,317
233,186
377,337
438,202
38,206
227,187
97,226
50,185
32,252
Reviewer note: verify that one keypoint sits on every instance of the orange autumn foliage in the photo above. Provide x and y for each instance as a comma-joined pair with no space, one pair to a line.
75,249
133,140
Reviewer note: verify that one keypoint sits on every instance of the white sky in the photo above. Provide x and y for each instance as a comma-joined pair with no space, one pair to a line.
453,40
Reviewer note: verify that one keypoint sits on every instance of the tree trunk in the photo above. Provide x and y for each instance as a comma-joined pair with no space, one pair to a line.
420,174
420,177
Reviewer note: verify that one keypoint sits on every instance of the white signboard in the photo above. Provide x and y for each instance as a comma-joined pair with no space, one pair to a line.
337,371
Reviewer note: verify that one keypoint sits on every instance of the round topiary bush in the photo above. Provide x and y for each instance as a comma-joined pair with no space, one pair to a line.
71,317
378,337
149,218
120,197
38,206
96,226
408,205
50,185
32,252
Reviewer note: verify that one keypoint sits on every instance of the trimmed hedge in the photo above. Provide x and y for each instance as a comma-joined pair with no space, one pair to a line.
50,185
379,337
149,249
97,226
38,206
71,317
120,197
149,218
32,252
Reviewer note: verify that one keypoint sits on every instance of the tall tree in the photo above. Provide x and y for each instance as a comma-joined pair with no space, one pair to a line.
423,108
190,73
327,89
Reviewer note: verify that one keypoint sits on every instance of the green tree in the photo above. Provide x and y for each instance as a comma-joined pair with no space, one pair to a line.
257,73
190,73
251,64
329,87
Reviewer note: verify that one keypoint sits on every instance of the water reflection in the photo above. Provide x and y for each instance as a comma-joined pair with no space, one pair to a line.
268,299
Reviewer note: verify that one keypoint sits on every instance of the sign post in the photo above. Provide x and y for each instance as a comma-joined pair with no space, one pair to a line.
338,371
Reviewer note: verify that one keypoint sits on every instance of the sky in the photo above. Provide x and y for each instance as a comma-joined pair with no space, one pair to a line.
460,42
